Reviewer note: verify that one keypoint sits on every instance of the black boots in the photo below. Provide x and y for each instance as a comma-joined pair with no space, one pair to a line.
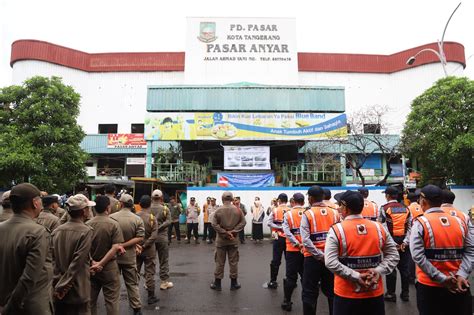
137,311
273,284
216,285
309,309
234,285
152,299
288,291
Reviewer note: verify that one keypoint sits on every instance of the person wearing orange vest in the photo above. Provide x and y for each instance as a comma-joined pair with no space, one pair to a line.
370,210
448,207
315,224
206,221
397,220
275,222
327,201
415,211
294,248
443,250
359,251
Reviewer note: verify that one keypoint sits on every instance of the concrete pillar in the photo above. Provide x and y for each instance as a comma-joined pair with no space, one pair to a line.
343,169
149,158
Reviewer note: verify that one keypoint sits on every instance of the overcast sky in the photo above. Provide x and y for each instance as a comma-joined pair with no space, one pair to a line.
373,27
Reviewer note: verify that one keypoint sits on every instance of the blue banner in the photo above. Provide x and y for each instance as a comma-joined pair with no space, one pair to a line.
245,180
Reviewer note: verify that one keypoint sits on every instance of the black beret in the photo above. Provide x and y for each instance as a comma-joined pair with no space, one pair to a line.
50,199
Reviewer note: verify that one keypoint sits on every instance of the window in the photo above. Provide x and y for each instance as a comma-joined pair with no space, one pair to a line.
372,129
138,128
107,128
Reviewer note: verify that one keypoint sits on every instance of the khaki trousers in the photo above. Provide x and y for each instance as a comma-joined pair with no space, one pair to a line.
163,256
130,277
220,256
150,269
71,309
108,280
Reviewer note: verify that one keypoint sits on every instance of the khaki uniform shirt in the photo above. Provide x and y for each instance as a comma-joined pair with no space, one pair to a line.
151,227
163,219
47,219
6,214
175,212
132,226
114,204
59,212
25,274
107,232
72,245
227,218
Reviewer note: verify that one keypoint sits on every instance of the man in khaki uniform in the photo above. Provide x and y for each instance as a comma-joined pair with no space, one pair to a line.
227,221
7,212
25,269
148,254
133,231
107,233
176,210
71,245
110,192
163,219
46,218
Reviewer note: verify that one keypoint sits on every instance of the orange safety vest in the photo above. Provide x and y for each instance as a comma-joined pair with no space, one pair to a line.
320,220
361,244
415,210
334,208
397,218
205,213
278,214
370,210
443,237
293,218
456,213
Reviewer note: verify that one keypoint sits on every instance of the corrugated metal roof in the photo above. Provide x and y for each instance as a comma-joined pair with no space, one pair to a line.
245,97
97,144
328,146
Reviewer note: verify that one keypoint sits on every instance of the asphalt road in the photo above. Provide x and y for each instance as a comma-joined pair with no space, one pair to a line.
192,268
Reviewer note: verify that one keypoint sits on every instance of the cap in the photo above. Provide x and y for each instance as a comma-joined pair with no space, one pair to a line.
212,198
353,200
126,198
338,197
24,191
157,193
50,199
315,191
227,195
362,190
432,193
79,202
283,197
298,197
391,190
5,195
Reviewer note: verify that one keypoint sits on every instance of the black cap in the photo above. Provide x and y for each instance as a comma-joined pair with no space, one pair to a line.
24,192
338,197
327,193
298,197
362,190
50,199
283,197
145,201
192,198
391,191
432,193
315,191
353,200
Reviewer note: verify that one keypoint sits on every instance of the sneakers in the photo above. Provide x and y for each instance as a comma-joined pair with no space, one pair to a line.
390,297
166,285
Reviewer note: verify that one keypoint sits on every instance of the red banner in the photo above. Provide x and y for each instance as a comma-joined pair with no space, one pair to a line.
126,140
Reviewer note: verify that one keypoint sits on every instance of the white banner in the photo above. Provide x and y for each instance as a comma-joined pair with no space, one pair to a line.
136,161
247,158
231,50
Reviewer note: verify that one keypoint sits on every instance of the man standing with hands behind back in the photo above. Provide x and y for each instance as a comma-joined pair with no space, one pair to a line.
227,221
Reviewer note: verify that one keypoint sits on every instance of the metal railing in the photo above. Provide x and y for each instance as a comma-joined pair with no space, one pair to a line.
328,172
180,172
112,172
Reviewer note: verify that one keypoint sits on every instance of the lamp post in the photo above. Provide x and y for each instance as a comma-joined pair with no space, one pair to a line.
440,53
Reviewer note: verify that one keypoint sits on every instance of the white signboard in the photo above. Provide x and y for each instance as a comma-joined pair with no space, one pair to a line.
367,171
247,158
136,161
230,50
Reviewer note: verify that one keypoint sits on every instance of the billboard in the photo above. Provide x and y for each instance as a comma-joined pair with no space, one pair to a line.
235,49
247,157
126,140
245,180
244,126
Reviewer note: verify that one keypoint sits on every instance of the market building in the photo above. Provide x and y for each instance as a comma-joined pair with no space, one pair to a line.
240,105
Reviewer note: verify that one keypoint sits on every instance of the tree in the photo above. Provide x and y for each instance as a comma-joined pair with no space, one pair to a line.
39,135
439,131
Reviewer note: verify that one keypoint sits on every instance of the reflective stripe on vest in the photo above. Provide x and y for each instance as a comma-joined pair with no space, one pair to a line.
370,210
361,243
443,237
320,220
278,214
397,218
294,222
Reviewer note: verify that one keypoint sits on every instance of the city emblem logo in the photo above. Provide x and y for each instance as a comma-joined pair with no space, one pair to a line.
324,211
361,230
444,221
207,32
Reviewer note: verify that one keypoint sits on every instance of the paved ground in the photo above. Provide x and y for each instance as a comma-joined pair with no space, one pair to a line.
192,269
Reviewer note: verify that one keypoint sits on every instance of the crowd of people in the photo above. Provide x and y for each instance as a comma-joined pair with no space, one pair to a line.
55,260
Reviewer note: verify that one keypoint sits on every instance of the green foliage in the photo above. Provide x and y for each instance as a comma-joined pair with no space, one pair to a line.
439,132
39,135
